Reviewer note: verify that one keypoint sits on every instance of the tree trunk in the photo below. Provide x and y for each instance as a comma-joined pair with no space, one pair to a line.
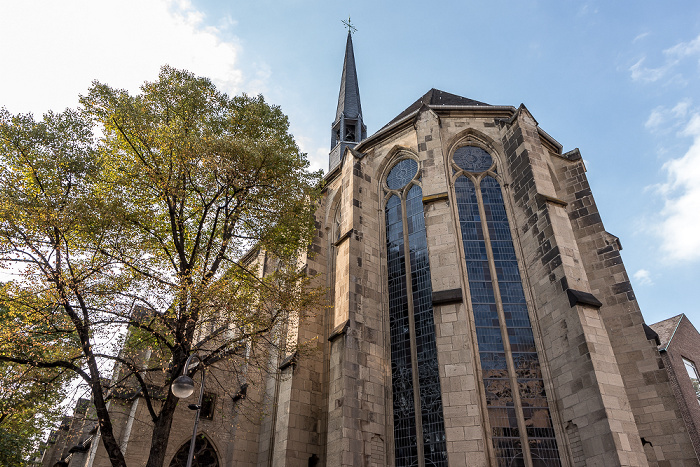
161,432
114,452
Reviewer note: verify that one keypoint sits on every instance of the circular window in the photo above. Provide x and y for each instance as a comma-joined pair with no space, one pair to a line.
401,174
472,159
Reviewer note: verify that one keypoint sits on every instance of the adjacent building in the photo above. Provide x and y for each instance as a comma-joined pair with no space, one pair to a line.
679,346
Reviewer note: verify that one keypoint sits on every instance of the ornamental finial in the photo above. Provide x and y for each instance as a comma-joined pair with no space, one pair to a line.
348,24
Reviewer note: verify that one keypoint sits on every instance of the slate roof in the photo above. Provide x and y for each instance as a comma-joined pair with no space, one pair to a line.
435,97
349,96
666,328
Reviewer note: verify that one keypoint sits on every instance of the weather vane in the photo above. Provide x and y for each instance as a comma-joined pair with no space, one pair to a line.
348,24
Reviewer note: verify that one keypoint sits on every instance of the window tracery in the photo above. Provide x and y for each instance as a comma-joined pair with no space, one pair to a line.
516,402
204,454
417,400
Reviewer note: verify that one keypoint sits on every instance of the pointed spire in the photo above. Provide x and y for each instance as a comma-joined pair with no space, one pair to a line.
349,97
348,128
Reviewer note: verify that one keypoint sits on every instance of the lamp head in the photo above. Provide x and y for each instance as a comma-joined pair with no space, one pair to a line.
182,387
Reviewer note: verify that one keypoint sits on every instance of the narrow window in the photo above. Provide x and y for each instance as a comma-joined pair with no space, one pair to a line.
513,385
694,376
416,392
208,404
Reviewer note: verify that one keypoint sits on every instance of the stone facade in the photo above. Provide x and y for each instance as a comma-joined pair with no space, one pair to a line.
609,400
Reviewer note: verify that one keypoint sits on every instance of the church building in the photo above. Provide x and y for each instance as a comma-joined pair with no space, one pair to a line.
480,312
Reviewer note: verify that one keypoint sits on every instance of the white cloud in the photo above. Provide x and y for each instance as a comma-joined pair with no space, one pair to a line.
53,50
672,57
317,156
649,75
640,37
643,277
680,217
662,118
684,49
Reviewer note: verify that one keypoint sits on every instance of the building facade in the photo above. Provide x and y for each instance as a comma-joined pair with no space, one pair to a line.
480,312
679,346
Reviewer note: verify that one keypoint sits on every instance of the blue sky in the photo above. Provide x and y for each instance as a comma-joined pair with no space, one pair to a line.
619,80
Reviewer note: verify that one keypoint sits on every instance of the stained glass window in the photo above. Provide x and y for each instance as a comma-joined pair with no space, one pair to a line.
401,174
472,159
204,454
405,227
483,211
405,436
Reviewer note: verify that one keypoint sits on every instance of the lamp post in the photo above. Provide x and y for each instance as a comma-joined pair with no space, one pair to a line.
182,388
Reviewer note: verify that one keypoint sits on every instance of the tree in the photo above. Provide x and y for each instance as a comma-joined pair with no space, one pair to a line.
154,217
29,402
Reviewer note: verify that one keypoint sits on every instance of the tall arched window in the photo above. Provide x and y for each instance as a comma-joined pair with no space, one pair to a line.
414,367
519,419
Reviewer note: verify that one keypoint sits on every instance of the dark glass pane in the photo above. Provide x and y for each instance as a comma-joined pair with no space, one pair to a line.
497,384
401,367
506,436
527,367
401,174
208,404
434,444
204,454
472,159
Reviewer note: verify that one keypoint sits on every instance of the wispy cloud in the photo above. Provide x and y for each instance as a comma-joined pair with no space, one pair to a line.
53,50
680,223
643,277
671,58
648,75
586,9
318,156
663,118
640,37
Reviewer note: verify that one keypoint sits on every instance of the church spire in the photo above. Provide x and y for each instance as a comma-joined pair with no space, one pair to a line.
348,128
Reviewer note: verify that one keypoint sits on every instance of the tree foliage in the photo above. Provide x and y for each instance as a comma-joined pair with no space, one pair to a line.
29,402
146,228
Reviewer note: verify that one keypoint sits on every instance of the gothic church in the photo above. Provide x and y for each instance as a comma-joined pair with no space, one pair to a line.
481,314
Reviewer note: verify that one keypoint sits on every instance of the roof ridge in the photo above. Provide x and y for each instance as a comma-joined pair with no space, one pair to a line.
436,97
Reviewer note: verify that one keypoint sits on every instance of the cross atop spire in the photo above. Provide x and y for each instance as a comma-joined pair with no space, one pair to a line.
348,24
348,128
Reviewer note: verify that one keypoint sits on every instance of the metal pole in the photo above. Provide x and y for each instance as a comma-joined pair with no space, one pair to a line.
199,408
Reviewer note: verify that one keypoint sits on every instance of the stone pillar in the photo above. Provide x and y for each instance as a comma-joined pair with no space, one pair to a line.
656,413
453,334
356,399
578,355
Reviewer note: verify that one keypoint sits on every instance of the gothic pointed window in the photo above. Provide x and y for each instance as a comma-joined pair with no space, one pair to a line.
516,404
204,454
416,394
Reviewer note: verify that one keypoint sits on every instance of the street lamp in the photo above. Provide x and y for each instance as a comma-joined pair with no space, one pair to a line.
182,388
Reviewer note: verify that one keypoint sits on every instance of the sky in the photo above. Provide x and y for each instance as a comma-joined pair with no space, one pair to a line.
618,80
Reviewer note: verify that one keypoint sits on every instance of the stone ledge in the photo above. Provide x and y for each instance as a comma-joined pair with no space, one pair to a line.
289,361
339,331
576,297
651,334
343,237
443,297
551,199
573,155
435,197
